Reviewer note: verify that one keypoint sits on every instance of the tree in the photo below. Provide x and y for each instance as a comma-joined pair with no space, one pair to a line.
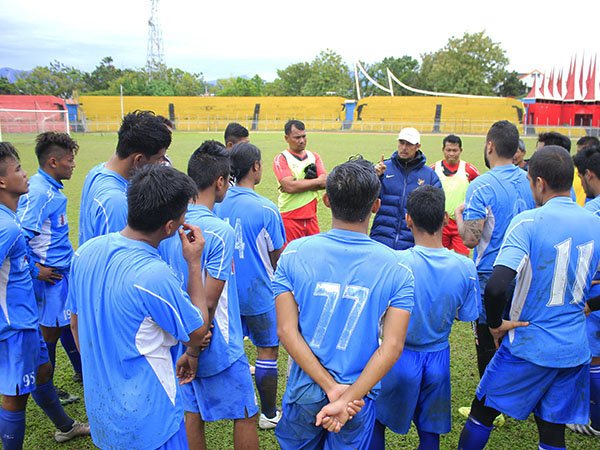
290,81
406,69
55,79
6,87
329,75
512,86
102,76
240,87
472,64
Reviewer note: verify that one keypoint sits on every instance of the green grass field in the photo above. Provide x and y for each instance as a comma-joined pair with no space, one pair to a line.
333,148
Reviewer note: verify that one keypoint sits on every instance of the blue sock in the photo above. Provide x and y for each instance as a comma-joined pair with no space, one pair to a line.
550,447
52,353
595,396
474,435
265,376
46,398
428,441
68,343
12,429
378,436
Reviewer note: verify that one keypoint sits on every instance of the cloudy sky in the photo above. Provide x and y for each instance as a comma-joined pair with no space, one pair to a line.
236,37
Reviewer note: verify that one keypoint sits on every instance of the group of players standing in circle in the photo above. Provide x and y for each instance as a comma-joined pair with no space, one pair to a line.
174,270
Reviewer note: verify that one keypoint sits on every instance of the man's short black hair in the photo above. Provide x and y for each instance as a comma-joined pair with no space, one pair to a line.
7,150
555,138
453,139
505,137
352,188
157,194
235,132
588,158
242,157
209,162
293,123
554,164
584,141
142,132
52,143
426,206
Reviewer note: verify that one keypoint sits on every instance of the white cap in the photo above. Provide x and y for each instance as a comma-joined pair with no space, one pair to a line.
410,135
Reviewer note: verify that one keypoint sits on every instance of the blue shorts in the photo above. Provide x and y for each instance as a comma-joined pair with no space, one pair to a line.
518,387
593,332
178,441
261,329
20,356
422,381
226,395
52,301
297,429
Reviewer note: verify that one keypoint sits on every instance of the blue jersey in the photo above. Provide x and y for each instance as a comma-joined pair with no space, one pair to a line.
454,294
103,207
258,230
131,310
226,345
18,308
343,282
594,207
43,215
555,250
496,196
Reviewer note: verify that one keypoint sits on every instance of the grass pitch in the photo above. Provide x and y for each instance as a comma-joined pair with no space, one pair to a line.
333,148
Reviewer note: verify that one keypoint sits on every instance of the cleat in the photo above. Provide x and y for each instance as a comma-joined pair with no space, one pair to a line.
264,423
587,430
498,421
252,369
464,411
78,429
66,398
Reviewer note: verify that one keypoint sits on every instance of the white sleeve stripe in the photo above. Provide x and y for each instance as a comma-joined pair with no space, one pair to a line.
143,289
408,269
470,199
103,212
39,218
508,233
221,264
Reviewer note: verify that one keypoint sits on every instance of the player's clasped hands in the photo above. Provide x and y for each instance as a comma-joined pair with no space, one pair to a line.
334,416
507,325
192,242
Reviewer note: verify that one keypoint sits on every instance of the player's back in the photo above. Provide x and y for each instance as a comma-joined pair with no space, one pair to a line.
258,229
557,249
496,196
343,283
226,345
446,288
120,289
103,206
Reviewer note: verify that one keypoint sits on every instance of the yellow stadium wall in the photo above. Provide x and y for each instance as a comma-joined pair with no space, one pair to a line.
459,115
214,113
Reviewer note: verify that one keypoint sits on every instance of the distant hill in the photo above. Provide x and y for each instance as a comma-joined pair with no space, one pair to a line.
12,74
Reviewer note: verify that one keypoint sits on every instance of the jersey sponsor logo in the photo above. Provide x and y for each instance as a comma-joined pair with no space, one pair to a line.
389,175
420,181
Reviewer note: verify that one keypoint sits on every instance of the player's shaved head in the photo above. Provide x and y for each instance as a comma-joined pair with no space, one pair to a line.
352,188
156,195
426,208
7,151
554,165
55,144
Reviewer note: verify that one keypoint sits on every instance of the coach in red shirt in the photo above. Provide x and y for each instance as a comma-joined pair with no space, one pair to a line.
301,174
455,176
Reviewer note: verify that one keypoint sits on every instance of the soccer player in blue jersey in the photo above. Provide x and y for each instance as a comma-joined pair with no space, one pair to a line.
143,138
333,291
421,377
43,215
492,200
587,162
259,240
128,309
543,362
223,386
24,365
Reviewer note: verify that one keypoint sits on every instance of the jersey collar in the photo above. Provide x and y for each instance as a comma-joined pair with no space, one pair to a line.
9,211
52,181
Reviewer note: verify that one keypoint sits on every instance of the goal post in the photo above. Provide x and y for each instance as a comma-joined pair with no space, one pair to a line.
33,121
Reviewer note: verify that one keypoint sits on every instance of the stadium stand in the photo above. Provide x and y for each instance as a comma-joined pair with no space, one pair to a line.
18,114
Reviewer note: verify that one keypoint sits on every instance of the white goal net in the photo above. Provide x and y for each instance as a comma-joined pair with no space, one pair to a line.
33,121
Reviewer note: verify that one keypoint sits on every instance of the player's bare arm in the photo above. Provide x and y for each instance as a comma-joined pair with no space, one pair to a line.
291,185
75,330
274,257
470,230
335,415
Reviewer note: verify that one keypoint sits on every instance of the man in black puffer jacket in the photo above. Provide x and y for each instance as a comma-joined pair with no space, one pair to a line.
404,172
